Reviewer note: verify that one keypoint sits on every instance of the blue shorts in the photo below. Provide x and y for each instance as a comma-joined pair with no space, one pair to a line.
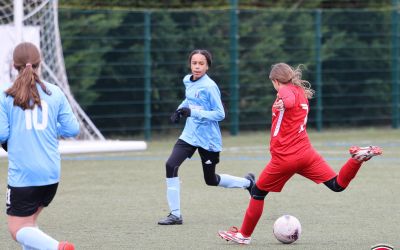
25,201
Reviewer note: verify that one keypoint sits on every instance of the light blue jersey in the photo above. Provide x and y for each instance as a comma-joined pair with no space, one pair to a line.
204,99
32,137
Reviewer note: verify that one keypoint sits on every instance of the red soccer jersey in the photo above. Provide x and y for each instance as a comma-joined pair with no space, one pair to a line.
288,130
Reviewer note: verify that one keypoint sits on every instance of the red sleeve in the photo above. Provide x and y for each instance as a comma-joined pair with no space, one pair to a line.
287,96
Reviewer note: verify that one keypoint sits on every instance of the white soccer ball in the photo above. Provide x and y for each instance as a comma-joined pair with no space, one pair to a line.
287,229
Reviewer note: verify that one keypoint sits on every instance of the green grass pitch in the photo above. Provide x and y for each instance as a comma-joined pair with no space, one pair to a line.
113,201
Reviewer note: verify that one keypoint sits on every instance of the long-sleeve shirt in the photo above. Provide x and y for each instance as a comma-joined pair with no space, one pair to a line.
32,137
204,99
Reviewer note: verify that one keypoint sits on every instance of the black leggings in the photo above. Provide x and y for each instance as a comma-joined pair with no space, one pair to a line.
183,150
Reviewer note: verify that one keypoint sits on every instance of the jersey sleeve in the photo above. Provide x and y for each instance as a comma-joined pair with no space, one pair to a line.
287,96
4,123
183,104
67,124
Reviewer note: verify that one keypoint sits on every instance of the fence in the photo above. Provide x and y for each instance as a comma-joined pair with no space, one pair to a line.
125,68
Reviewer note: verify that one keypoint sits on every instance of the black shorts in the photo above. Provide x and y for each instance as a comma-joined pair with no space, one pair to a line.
25,201
183,150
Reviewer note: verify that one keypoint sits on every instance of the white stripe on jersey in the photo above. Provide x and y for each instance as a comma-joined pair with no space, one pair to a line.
278,123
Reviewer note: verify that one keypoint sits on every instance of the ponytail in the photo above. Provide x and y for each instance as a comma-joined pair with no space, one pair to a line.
24,91
305,85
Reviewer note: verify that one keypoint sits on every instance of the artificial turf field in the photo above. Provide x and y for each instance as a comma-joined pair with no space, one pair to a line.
113,201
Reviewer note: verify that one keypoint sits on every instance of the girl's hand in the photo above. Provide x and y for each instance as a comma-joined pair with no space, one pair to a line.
278,105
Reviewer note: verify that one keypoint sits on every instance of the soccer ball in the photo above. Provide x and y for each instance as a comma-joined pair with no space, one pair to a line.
287,229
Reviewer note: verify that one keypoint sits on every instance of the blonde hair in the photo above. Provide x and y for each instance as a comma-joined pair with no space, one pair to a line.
287,74
26,58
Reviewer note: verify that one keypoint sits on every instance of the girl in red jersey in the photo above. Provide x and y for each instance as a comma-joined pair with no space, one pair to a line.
292,152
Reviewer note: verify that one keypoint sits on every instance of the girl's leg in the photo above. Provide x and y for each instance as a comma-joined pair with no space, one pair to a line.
318,170
345,176
24,204
180,153
251,218
333,185
272,178
351,167
348,172
253,212
209,161
25,231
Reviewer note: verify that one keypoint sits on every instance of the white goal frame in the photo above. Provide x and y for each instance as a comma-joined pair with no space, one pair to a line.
43,15
36,21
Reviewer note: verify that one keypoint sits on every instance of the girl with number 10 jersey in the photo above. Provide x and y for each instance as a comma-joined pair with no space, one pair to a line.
33,115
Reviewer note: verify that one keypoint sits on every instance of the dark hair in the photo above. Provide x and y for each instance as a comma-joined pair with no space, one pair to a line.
26,58
203,52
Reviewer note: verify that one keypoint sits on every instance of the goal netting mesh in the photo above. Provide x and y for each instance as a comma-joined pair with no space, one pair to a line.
41,18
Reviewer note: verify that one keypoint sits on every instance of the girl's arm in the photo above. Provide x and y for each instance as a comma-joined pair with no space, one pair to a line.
287,96
67,124
4,123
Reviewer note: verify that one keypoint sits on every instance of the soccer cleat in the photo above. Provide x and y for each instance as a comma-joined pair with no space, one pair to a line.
235,236
64,245
252,179
171,220
364,153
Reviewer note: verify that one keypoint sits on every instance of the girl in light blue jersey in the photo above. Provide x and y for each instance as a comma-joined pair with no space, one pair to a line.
203,109
33,114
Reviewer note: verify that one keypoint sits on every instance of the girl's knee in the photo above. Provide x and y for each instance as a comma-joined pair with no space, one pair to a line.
17,223
212,180
13,231
171,170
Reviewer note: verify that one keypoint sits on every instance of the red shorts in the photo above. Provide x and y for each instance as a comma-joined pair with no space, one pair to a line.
279,170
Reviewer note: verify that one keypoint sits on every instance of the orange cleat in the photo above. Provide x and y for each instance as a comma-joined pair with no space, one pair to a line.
64,245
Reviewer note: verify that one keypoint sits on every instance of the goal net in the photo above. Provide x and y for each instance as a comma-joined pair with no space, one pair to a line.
37,22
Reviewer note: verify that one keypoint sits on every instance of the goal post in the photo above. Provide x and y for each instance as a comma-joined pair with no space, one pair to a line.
37,22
